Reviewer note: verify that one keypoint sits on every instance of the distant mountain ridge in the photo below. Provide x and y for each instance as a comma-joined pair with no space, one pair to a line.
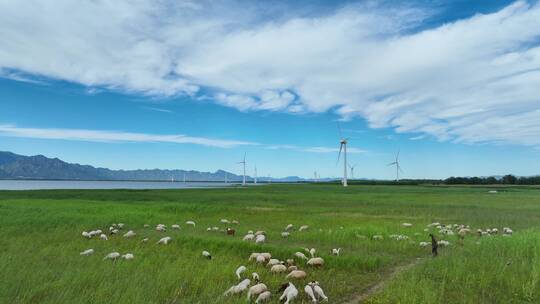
15,166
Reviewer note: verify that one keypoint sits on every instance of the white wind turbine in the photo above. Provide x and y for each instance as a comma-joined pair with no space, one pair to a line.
244,176
343,146
352,169
398,167
255,178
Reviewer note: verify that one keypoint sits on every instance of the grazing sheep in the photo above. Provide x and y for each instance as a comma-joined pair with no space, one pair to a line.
266,255
215,228
103,237
175,226
312,252
235,222
507,231
297,274
290,262
443,243
165,240
273,262
231,231
236,289
206,254
129,234
191,223
86,234
255,277
146,226
495,231
161,227
144,240
289,227
317,262
260,232
300,255
256,289
112,256
120,225
377,237
225,221
260,259
406,225
259,239
128,256
292,268
279,268
240,270
209,229
318,290
253,256
285,234
114,231
424,244
308,289
249,237
289,293
304,227
263,297
87,252
336,252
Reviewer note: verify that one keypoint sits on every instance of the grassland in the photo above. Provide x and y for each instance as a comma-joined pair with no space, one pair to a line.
41,240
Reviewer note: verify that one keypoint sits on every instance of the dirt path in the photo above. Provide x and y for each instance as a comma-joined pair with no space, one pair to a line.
387,277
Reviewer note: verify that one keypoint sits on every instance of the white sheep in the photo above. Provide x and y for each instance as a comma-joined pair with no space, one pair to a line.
86,234
114,231
112,256
225,221
406,225
161,227
190,223
144,240
424,244
289,293
315,262
87,252
273,262
256,289
146,226
164,240
240,270
278,268
318,290
175,226
297,274
289,227
236,289
249,237
266,255
260,259
128,256
120,225
285,234
129,234
103,237
259,239
260,232
215,228
443,243
300,255
255,277
253,256
378,237
263,297
507,230
304,227
207,254
308,289
235,222
312,252
336,251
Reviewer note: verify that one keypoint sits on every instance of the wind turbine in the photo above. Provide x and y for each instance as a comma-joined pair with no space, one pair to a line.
352,169
398,167
315,175
343,146
255,178
244,176
225,177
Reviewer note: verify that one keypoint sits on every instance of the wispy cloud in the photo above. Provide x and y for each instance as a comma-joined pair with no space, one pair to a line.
158,109
314,149
115,136
472,80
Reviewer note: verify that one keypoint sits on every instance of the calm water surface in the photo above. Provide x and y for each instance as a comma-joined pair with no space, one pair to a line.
52,184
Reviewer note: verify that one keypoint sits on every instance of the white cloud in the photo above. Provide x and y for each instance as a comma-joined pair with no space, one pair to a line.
475,80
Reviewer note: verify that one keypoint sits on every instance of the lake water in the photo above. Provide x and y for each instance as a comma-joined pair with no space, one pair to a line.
53,184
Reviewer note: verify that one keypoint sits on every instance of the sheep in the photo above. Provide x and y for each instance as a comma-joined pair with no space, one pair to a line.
273,262
129,234
266,255
260,232
209,229
495,231
249,237
259,239
144,240
112,256
507,231
308,289
443,243
146,226
235,222
312,252
236,289
114,231
285,234
278,268
377,237
292,268
103,237
318,290
297,274
175,226
256,289
191,223
407,225
300,255
255,277
87,252
263,297
215,228
336,252
424,244
253,256
86,234
240,270
225,221
207,254
304,227
290,262
289,227
260,259
128,256
120,225
289,293
317,262
231,231
165,240
161,228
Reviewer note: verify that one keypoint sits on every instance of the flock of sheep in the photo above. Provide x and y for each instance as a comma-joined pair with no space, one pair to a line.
290,266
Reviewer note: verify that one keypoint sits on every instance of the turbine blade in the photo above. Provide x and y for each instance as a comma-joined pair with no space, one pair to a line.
391,164
339,154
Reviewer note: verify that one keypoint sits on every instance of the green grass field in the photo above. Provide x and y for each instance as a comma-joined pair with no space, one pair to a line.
41,240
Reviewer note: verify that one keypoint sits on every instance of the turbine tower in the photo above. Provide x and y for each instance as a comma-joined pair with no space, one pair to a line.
243,162
343,146
255,178
352,169
398,167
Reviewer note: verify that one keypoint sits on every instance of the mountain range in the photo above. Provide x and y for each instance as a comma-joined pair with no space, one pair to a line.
15,166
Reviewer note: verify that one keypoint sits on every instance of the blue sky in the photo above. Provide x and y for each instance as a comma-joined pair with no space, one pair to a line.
453,85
